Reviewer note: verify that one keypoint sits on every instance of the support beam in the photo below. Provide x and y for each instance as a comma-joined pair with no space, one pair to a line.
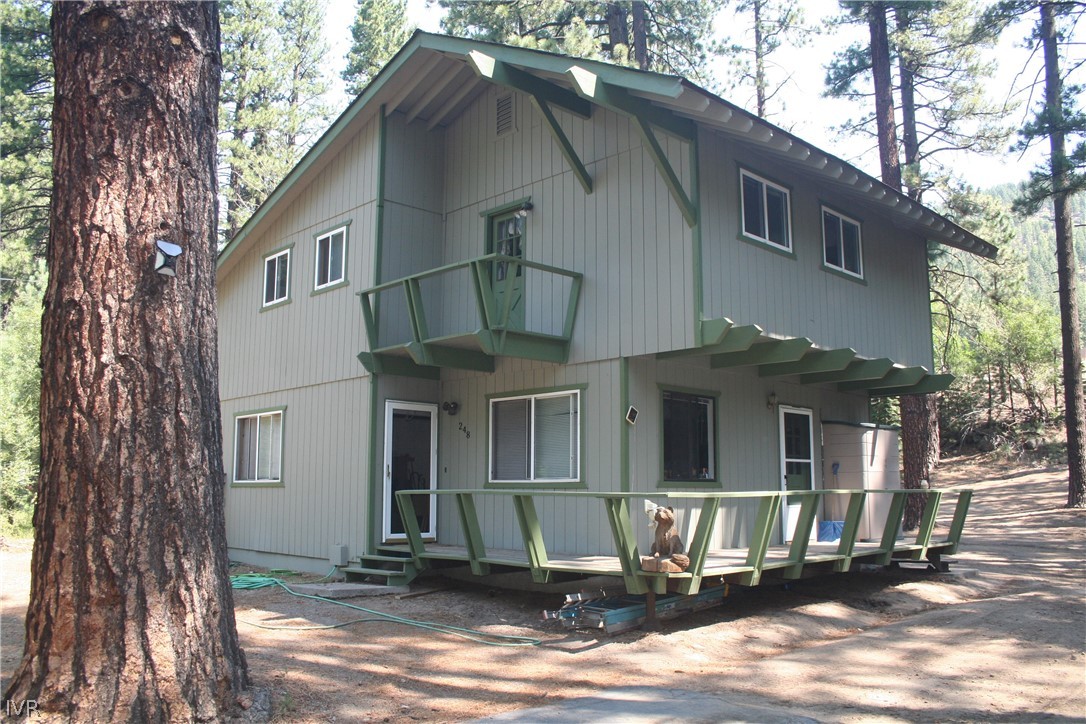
818,361
736,340
862,369
713,331
564,145
896,377
927,385
663,165
776,351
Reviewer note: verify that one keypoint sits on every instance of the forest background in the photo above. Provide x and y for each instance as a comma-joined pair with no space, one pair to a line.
290,66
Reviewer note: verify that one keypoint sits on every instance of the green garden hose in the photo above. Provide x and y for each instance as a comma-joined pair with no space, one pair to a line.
250,581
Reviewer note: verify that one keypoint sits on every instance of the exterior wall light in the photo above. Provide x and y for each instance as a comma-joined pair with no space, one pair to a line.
522,212
771,401
451,407
166,257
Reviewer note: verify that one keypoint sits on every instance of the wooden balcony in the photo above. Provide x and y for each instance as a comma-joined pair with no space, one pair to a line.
464,315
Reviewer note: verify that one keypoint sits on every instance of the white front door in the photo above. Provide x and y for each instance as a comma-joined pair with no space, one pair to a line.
410,464
797,462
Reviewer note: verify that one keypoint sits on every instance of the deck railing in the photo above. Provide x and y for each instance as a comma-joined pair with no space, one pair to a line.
476,298
745,565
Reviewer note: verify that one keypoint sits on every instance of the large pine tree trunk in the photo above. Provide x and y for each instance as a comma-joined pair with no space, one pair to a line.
131,614
886,125
1065,270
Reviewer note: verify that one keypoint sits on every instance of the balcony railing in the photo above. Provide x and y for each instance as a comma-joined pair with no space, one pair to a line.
465,314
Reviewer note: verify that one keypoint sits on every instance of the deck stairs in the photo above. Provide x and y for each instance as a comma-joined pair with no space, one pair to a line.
391,568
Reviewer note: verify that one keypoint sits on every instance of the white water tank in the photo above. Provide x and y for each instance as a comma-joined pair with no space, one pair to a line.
860,456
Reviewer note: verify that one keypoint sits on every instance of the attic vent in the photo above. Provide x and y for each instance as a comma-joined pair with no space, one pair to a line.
505,117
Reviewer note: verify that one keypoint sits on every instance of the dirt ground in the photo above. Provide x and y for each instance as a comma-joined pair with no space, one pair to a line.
1005,644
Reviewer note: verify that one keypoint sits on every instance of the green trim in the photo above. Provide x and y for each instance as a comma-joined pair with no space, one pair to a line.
957,525
379,222
696,243
346,226
844,275
582,434
330,287
896,377
832,360
547,93
847,546
861,369
281,482
595,87
737,339
711,331
498,211
374,532
659,157
618,515
926,386
624,426
564,145
775,351
790,250
715,481
378,363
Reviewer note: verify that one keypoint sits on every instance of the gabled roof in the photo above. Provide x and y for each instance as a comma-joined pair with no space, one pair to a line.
436,78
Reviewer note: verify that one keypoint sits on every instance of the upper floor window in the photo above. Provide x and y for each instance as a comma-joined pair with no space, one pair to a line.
689,436
277,277
258,447
535,438
841,243
766,212
331,255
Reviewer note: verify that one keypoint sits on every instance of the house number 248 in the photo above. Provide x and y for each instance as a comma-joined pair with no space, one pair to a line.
463,428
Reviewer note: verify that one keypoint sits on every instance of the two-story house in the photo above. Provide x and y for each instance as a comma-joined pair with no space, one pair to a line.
508,269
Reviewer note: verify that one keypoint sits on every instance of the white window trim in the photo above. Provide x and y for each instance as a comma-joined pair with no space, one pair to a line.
317,255
264,288
766,183
237,424
841,218
576,433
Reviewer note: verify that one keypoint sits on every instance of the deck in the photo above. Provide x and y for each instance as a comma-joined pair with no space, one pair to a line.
744,566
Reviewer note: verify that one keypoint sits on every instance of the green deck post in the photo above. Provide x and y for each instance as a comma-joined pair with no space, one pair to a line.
699,546
411,529
927,523
768,511
852,529
533,537
801,538
618,515
957,525
893,522
473,534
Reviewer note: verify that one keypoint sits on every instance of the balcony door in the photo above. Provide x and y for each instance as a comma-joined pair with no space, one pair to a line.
410,464
507,278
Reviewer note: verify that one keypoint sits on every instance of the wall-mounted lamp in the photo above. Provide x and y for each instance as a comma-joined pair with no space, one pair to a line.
522,212
771,401
166,257
451,407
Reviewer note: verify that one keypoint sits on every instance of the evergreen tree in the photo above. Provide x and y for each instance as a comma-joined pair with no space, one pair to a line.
665,36
769,24
380,29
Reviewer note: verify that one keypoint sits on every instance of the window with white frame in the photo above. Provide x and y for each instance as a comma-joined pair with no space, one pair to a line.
277,277
331,253
766,212
258,447
841,243
689,437
535,438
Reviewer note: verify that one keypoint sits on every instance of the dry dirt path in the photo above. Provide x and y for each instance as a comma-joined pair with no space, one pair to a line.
1007,644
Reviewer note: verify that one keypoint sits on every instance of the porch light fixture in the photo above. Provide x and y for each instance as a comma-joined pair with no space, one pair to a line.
451,407
166,258
771,401
524,208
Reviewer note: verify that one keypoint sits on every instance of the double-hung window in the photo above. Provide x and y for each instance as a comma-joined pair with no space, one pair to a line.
331,253
535,438
689,436
277,277
841,243
766,212
258,447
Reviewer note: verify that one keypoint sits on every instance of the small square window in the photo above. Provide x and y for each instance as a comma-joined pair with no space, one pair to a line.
277,277
535,438
689,437
331,256
841,243
766,211
258,448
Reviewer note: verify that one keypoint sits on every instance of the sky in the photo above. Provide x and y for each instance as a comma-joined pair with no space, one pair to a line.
807,114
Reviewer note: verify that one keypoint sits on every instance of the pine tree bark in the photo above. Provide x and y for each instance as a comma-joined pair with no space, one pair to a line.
640,35
886,125
131,613
1065,268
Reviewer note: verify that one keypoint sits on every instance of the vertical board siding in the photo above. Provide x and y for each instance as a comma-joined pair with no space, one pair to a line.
323,499
886,317
629,216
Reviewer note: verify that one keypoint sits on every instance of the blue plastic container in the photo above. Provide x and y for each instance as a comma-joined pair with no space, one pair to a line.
830,530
